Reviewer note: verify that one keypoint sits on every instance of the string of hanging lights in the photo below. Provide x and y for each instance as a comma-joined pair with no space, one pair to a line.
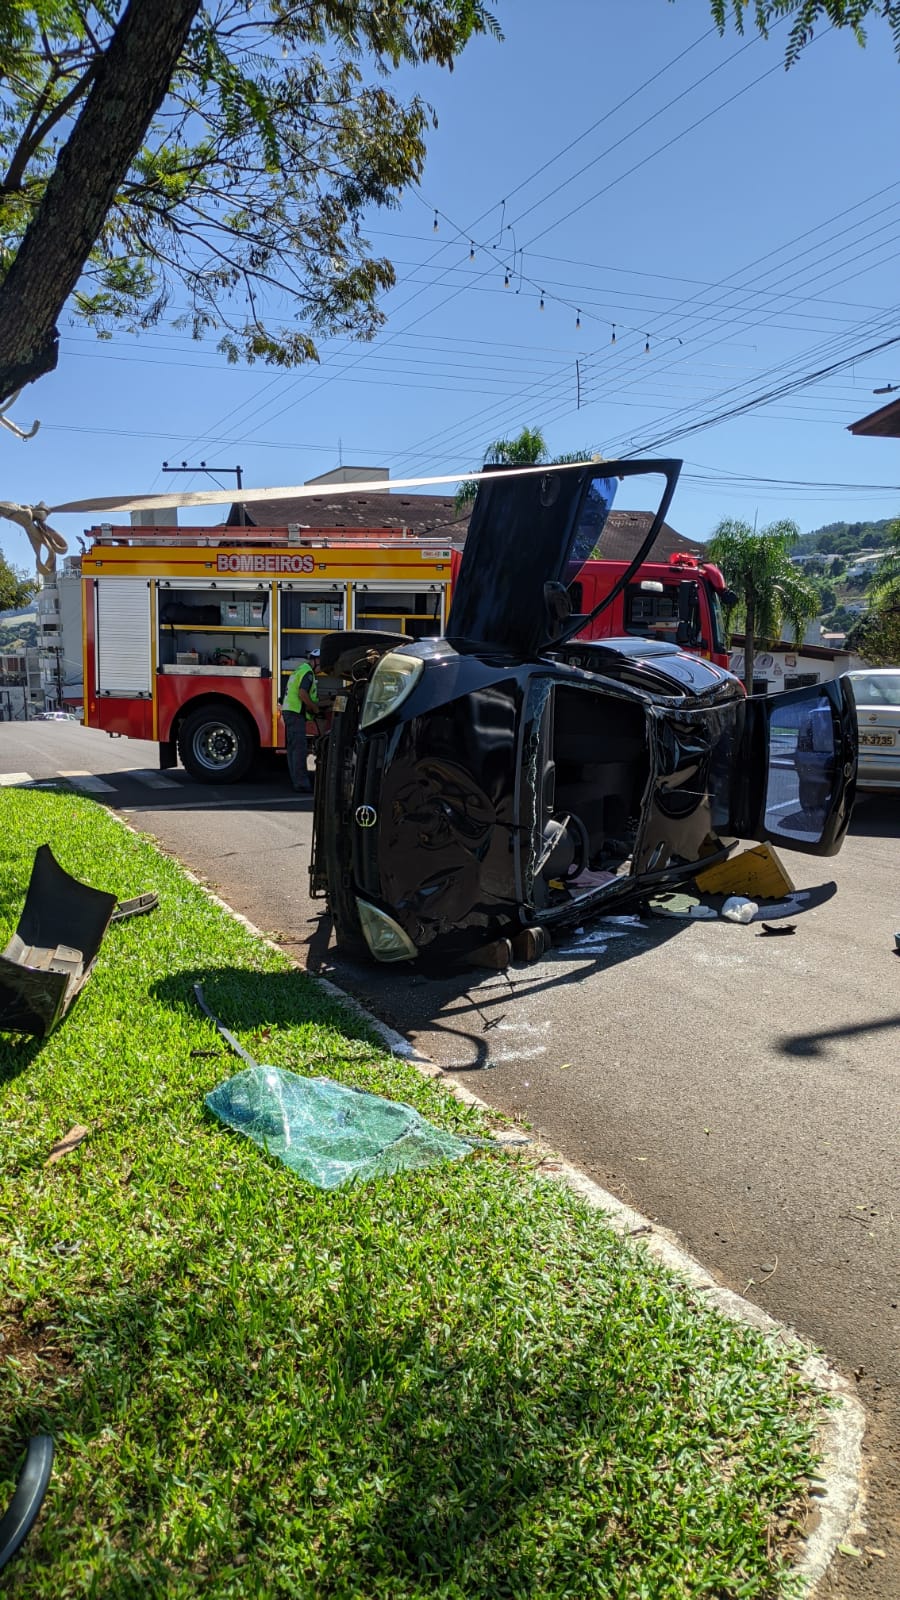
543,295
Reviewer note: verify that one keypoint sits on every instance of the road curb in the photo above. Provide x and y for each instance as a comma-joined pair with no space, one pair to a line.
840,1491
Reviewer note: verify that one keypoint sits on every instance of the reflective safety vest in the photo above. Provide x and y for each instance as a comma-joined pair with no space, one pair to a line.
303,678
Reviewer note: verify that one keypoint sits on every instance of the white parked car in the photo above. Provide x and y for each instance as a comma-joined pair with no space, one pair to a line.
877,695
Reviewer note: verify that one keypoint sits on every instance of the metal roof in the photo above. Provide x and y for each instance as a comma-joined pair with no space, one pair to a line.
881,424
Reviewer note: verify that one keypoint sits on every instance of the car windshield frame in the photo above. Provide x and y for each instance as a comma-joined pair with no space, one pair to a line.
531,532
670,471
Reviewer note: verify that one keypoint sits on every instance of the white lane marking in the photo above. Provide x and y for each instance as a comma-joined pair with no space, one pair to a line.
594,940
8,779
523,1027
88,781
498,1058
150,778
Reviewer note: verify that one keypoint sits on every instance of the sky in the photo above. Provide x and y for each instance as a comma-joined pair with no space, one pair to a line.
733,225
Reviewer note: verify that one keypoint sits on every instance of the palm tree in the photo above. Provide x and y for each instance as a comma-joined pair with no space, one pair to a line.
770,591
528,449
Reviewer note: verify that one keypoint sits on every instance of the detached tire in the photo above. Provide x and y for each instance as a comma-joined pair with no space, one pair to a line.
217,744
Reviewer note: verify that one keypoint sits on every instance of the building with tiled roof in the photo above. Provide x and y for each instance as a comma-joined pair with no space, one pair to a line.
422,514
427,515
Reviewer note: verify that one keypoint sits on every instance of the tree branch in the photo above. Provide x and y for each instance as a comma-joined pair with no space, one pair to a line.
32,141
128,87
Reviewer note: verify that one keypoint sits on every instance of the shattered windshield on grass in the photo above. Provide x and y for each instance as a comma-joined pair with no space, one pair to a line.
329,1134
325,1132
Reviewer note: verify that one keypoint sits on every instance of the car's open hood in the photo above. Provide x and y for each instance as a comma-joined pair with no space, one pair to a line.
528,538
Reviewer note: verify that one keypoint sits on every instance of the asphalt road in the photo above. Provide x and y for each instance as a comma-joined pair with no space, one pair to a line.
743,1091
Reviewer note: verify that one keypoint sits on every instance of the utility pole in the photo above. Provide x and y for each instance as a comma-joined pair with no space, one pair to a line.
210,473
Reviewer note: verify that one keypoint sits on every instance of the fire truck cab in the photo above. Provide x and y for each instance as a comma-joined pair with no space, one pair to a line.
190,634
680,601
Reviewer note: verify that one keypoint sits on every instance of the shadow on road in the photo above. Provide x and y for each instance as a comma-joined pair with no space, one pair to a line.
813,1044
180,792
466,1004
876,816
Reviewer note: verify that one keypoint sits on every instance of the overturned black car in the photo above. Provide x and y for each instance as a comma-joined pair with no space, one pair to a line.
513,777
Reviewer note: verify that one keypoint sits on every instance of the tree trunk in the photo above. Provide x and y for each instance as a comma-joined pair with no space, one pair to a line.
130,84
750,640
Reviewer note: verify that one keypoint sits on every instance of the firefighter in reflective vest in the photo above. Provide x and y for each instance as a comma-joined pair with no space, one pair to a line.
301,701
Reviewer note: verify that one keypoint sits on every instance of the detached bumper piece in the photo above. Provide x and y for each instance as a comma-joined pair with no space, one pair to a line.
50,956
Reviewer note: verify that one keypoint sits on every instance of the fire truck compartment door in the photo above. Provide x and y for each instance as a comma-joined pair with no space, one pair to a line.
123,636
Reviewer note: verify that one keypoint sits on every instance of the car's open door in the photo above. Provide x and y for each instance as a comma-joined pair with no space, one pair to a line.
794,779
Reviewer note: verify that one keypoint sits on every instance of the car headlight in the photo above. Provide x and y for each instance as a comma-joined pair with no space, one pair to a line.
385,938
394,678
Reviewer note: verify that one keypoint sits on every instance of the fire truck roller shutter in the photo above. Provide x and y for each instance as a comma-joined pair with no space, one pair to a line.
123,636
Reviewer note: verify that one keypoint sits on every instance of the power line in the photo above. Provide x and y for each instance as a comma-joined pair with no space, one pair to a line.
768,255
779,250
832,346
660,149
614,111
641,272
315,390
753,403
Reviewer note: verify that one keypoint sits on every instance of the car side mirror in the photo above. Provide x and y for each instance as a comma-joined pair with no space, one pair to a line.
687,631
688,596
557,607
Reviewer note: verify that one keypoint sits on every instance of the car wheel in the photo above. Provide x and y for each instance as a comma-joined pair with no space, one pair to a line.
216,744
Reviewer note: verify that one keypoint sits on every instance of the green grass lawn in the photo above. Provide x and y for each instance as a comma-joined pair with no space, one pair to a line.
455,1383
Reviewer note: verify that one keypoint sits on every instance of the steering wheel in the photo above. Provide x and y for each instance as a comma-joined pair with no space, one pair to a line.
583,848
573,831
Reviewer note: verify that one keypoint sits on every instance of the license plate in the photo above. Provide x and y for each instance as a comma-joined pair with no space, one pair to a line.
883,739
340,702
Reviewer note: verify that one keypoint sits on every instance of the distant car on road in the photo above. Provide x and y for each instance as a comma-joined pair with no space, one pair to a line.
877,695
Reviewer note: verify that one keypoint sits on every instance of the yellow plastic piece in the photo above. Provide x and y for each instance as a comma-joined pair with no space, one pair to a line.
757,872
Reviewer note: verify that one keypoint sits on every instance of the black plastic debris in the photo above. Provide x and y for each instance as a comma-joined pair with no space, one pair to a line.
28,1496
777,930
52,952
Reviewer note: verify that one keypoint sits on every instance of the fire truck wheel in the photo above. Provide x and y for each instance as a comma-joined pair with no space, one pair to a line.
216,744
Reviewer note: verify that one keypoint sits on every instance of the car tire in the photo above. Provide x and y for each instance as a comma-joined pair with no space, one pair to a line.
217,744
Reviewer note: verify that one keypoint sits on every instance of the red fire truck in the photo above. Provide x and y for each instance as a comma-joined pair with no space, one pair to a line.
190,634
